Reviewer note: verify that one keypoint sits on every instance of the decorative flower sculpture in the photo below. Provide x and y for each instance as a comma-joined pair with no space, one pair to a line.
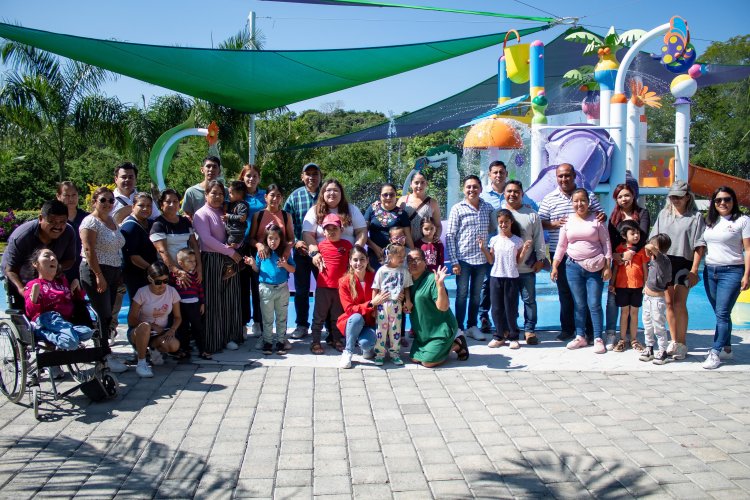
213,134
639,95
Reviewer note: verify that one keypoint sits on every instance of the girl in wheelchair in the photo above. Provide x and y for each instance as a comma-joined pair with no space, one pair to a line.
49,301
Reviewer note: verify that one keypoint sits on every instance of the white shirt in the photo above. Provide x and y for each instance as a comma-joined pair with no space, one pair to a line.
724,246
310,224
506,252
122,200
156,308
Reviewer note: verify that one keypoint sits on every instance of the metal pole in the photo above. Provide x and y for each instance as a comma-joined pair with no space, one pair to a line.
252,147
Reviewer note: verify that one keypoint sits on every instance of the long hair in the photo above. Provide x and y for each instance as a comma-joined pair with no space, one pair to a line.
321,207
515,227
351,274
690,207
713,215
273,228
617,214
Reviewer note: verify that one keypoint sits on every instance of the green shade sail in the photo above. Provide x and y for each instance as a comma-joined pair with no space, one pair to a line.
251,81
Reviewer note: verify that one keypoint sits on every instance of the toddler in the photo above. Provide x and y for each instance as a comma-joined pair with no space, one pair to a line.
627,284
659,273
191,305
273,274
506,250
434,253
235,222
394,279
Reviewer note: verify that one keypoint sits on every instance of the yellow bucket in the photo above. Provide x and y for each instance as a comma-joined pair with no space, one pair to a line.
516,59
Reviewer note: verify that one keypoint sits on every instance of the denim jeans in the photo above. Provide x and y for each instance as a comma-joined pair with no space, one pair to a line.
358,333
586,287
722,288
527,287
485,302
612,313
52,327
471,291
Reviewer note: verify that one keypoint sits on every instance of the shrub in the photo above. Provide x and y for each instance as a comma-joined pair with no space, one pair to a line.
11,219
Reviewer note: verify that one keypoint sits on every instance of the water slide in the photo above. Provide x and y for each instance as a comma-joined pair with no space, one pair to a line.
704,182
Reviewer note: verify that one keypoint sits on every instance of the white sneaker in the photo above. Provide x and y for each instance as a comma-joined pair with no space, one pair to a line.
156,358
257,332
232,345
299,332
725,356
680,351
610,341
346,360
115,365
671,347
712,361
475,333
143,370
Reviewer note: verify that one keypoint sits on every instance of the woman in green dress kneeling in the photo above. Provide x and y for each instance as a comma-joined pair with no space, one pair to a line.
432,321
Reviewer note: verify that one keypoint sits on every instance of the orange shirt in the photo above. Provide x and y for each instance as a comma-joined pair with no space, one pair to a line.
630,275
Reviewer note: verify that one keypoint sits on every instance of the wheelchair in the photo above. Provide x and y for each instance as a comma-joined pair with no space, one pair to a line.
23,358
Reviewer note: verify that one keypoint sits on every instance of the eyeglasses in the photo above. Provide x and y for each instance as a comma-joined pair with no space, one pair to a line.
722,199
414,260
388,195
107,200
160,282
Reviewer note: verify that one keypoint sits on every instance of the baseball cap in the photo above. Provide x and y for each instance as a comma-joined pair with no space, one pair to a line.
331,219
310,165
679,188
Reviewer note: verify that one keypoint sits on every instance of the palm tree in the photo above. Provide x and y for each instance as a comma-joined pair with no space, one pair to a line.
605,48
54,101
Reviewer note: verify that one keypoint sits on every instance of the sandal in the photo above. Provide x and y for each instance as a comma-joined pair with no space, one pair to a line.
463,348
636,346
317,349
621,346
531,338
339,346
206,355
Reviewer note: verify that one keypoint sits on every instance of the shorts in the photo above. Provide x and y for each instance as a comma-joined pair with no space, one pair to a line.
629,297
680,269
131,330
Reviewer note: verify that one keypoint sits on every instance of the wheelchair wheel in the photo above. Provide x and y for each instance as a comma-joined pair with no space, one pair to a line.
82,372
13,363
111,385
35,401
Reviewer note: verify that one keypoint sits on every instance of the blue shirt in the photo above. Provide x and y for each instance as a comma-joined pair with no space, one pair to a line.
270,273
256,202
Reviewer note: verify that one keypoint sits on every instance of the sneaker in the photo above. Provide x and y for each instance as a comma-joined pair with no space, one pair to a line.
232,345
299,332
514,344
494,343
671,347
378,361
56,373
257,330
267,348
564,336
599,347
712,360
280,348
368,353
397,360
485,326
115,365
474,333
346,360
725,356
156,358
680,351
611,339
647,354
143,370
577,343
661,358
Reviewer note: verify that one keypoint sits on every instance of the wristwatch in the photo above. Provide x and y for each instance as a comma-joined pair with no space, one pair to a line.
314,253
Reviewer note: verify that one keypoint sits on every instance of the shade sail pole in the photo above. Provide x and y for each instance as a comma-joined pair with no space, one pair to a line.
251,125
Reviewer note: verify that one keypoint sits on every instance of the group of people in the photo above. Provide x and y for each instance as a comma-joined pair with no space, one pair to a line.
202,275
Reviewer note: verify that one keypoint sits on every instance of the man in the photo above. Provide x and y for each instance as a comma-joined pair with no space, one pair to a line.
554,211
297,205
468,221
495,196
195,196
531,229
126,179
51,231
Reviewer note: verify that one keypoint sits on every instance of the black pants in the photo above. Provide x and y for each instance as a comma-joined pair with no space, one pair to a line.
101,302
249,286
504,297
304,267
191,327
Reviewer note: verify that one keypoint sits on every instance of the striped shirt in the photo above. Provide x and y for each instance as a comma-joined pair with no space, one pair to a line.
297,205
465,225
557,205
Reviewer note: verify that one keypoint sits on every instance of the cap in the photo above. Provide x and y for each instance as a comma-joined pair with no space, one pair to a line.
679,188
310,165
331,219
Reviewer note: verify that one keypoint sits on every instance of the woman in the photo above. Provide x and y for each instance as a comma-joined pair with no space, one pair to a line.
223,318
138,252
101,265
418,205
727,271
171,232
585,241
626,208
380,217
358,320
332,201
683,223
272,214
435,327
153,319
249,284
67,192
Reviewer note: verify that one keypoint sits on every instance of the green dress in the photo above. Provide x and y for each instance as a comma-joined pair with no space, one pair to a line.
434,330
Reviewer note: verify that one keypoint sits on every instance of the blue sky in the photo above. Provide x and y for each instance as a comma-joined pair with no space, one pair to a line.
296,26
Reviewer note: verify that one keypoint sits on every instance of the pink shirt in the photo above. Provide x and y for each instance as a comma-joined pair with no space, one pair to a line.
583,239
53,296
212,235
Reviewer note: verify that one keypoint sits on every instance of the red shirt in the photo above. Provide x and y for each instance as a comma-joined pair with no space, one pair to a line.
336,258
630,275
358,305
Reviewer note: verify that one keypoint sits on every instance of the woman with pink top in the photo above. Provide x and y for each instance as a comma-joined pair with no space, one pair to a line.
586,243
223,320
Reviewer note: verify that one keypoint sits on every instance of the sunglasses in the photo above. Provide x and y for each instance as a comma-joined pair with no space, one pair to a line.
388,195
722,199
160,282
107,200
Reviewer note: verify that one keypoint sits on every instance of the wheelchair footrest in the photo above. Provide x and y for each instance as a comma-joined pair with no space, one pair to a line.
58,358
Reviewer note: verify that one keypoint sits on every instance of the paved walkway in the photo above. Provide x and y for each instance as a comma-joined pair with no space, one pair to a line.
537,422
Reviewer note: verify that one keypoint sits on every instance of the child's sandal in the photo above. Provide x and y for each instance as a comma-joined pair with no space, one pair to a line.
636,346
620,346
317,349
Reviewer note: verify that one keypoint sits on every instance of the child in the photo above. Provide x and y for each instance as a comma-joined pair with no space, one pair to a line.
506,250
654,305
191,305
434,253
49,303
397,236
394,279
627,284
235,221
332,261
273,274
